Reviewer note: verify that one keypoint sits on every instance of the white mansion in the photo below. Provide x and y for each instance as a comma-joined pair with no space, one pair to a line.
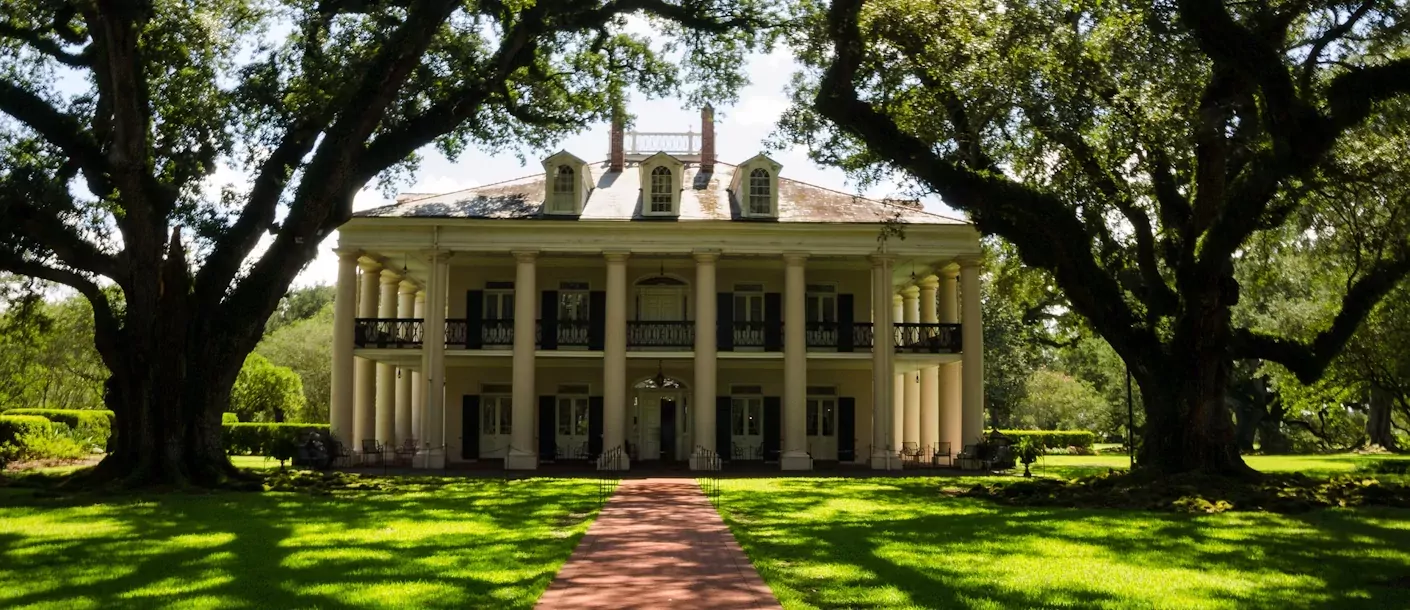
660,305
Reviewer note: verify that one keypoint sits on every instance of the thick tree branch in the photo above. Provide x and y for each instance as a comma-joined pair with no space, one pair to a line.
62,130
996,204
1334,33
106,329
1309,360
36,40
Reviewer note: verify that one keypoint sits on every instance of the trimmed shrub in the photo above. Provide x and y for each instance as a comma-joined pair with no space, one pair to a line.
12,427
229,418
92,426
267,439
1054,439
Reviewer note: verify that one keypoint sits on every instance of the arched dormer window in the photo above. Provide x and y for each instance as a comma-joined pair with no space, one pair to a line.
760,192
754,188
662,186
562,199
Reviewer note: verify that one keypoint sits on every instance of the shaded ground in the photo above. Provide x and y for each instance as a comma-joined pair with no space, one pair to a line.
898,543
428,543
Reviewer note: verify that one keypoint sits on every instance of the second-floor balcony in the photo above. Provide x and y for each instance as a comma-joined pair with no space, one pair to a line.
907,337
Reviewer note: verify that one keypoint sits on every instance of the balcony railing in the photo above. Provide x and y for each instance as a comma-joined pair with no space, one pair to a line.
388,332
927,337
749,334
675,334
909,337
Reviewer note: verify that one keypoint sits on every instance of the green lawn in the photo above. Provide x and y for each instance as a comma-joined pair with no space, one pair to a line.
1317,465
424,543
899,543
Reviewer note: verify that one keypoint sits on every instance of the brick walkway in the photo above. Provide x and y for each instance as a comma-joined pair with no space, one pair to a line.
658,544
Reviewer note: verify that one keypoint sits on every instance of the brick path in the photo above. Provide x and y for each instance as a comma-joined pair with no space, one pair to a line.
658,543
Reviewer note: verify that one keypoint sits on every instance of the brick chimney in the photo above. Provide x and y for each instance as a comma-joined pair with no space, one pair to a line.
616,154
707,139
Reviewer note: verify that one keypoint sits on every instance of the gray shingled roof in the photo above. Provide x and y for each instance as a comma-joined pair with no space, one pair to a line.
617,196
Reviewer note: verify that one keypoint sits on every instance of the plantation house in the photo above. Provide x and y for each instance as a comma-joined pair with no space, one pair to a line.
660,305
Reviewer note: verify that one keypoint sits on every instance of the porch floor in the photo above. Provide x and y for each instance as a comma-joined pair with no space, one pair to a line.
658,543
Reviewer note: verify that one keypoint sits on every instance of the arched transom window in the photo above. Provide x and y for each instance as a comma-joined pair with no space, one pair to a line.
561,200
759,195
661,189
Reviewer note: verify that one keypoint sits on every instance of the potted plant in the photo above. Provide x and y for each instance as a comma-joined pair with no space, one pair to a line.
1028,451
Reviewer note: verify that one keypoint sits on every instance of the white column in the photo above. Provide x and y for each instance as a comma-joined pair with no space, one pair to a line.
930,375
795,365
406,301
340,412
972,340
881,365
911,384
433,363
523,455
705,371
951,430
898,382
614,361
365,371
418,311
386,372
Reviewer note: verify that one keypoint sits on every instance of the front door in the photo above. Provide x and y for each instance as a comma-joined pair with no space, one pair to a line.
747,427
572,437
668,428
495,416
821,423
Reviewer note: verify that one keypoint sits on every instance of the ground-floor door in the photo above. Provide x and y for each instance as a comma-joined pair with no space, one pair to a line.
572,427
746,427
821,423
662,431
495,417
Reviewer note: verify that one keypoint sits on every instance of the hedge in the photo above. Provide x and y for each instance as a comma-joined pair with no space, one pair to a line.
229,418
96,424
12,426
1053,439
268,439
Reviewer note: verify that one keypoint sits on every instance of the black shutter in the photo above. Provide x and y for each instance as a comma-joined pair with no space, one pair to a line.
846,428
773,426
548,320
474,318
773,322
724,441
845,316
597,319
470,427
595,416
548,432
724,321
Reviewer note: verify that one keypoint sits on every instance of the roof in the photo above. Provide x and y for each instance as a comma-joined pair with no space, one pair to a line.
617,196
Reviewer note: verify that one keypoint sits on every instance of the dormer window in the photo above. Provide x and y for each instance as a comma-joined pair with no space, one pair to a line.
755,188
560,201
661,186
660,176
760,192
567,184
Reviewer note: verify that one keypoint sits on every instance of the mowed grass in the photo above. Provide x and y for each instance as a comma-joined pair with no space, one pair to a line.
419,543
901,543
1313,465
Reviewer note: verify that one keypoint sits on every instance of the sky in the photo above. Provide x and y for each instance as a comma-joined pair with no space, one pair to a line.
740,132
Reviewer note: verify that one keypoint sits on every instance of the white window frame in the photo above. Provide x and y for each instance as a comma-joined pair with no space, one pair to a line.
563,201
498,296
655,192
760,193
578,290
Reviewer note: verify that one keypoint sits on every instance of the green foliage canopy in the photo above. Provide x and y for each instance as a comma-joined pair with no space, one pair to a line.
265,392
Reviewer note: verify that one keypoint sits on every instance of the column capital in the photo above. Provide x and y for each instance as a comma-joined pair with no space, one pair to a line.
369,266
896,299
409,287
616,256
434,256
390,277
969,262
420,296
795,258
929,282
525,256
706,256
348,254
910,293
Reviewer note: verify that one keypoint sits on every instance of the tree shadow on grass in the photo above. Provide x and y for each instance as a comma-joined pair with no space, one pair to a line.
465,544
848,543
